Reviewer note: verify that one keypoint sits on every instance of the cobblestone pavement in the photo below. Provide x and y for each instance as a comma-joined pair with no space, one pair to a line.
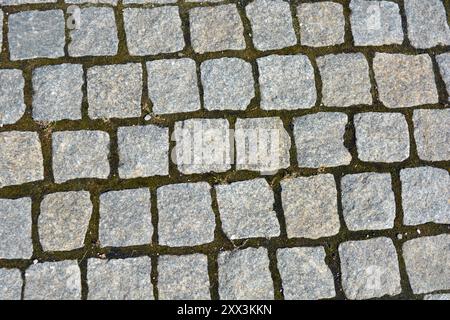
97,98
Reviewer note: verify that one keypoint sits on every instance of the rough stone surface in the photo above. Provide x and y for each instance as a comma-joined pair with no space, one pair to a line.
286,82
153,31
244,275
36,34
125,218
19,2
64,220
15,229
172,86
1,30
122,279
185,214
57,92
425,195
443,297
427,260
149,1
444,67
246,209
368,201
143,151
319,139
381,137
21,158
12,106
310,206
345,80
369,268
80,154
183,277
304,274
10,284
404,80
227,84
111,2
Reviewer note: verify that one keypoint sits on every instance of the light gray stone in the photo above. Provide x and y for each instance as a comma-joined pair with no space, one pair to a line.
20,2
427,23
319,139
321,24
405,81
172,86
12,106
53,281
345,79
216,28
304,274
149,1
246,209
64,220
368,201
286,82
121,279
1,30
185,214
143,151
244,275
425,195
57,92
369,268
227,84
153,31
10,284
80,154
125,218
21,158
381,137
111,2
427,260
432,134
310,206
109,100
15,229
271,24
444,67
183,277
437,296
36,34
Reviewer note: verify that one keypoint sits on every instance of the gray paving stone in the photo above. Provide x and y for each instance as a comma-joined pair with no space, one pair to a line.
96,34
304,274
183,277
425,194
57,92
404,80
271,24
227,84
246,209
107,99
15,229
12,106
185,214
427,260
444,67
53,281
442,296
121,279
345,79
432,134
125,218
143,151
1,30
319,139
369,268
244,275
153,31
376,23
20,2
64,220
310,206
381,137
80,154
368,201
172,86
36,34
10,284
321,24
216,28
427,23
286,82
111,2
149,1
21,158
